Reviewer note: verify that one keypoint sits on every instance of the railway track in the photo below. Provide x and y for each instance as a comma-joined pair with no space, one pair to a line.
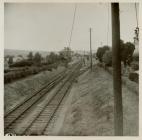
43,111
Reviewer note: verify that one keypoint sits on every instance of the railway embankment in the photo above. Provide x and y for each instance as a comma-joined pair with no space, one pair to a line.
91,111
35,114
133,86
17,91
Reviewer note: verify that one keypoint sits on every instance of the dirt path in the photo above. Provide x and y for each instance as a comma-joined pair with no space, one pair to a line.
91,109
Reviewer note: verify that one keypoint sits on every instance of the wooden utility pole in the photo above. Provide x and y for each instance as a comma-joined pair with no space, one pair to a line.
91,65
116,62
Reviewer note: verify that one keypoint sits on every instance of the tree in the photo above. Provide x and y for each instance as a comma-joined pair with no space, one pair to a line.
61,56
30,56
66,53
37,58
127,50
51,58
107,58
10,61
101,51
136,57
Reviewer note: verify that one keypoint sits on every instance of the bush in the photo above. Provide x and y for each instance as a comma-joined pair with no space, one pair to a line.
107,58
22,63
11,76
6,71
127,50
134,77
49,68
101,51
23,72
7,79
55,66
35,71
135,66
136,57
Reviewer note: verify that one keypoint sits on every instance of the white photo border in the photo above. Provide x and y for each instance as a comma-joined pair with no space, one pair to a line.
2,74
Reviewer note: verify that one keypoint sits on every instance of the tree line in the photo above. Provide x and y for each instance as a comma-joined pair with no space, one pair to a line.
37,59
104,54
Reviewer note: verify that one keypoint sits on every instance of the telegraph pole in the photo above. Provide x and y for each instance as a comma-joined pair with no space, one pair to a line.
90,51
116,62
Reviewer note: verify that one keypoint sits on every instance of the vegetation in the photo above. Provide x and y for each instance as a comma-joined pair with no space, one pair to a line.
107,58
134,77
65,54
30,56
10,59
136,57
22,63
51,58
135,66
37,58
101,51
104,54
26,71
30,66
127,50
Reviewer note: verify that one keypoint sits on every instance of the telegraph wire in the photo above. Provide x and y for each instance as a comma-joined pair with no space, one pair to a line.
108,25
70,39
136,14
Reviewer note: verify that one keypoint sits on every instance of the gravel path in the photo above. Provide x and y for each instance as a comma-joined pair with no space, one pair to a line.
91,109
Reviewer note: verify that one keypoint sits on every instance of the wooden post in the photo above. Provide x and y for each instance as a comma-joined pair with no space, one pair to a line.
90,52
116,62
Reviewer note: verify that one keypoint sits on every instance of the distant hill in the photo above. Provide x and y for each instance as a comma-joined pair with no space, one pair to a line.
24,53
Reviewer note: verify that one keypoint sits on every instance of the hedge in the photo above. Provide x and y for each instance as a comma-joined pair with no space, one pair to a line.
15,75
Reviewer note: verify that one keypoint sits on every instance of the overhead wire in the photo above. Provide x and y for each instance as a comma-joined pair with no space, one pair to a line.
70,39
108,25
136,14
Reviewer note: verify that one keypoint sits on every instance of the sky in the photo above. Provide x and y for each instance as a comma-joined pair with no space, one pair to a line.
47,26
